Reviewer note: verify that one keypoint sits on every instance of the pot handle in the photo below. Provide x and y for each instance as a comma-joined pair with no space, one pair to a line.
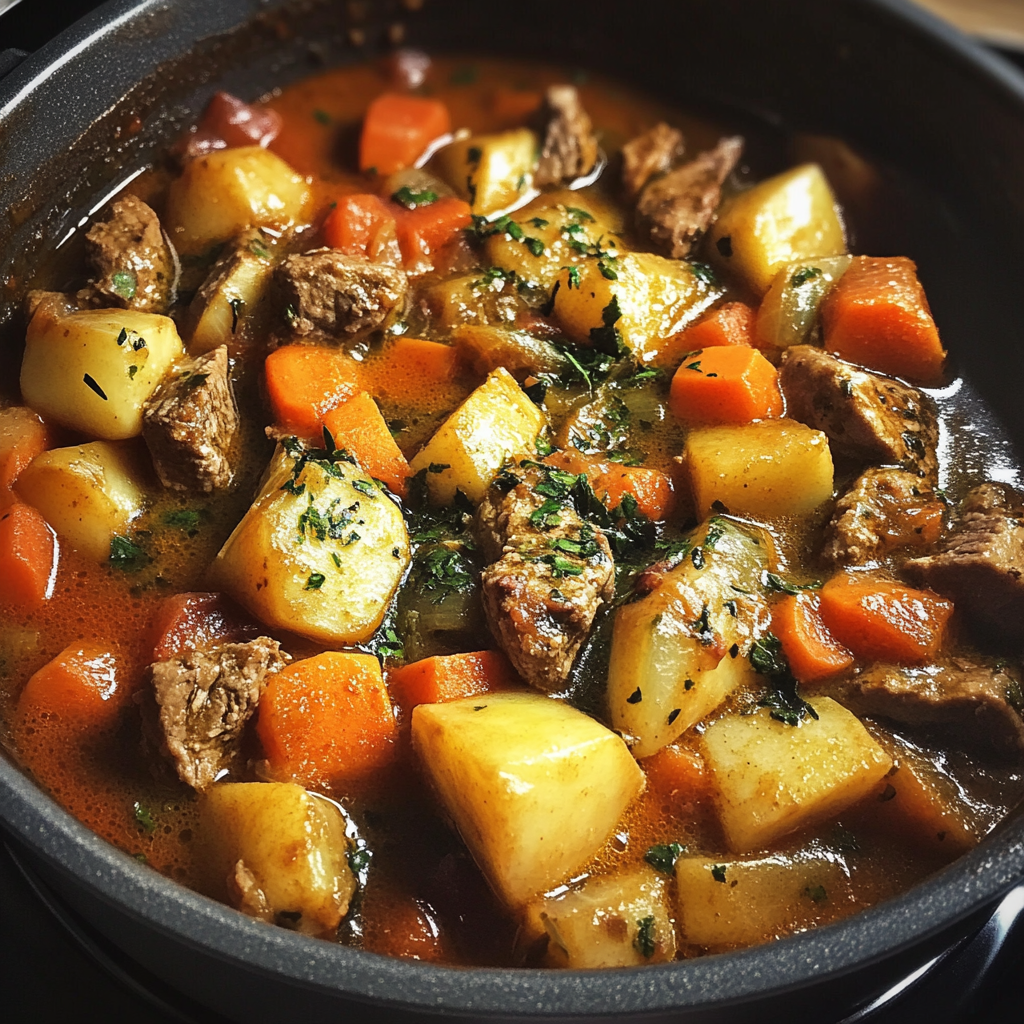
9,60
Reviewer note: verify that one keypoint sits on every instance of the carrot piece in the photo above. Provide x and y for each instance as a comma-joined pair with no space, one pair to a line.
677,775
411,367
878,619
361,225
428,228
398,129
304,382
358,426
28,557
812,651
186,622
451,676
877,315
730,324
23,436
79,688
735,384
327,718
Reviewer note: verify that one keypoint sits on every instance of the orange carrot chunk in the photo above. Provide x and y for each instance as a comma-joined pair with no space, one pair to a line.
398,129
677,776
28,557
881,620
361,225
451,676
304,382
358,426
812,651
877,315
23,436
326,719
430,227
731,324
79,688
186,622
725,385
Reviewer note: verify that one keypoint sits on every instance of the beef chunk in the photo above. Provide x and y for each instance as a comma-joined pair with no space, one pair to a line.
982,565
204,700
977,700
569,147
130,262
675,210
885,509
334,295
865,416
189,423
549,574
653,152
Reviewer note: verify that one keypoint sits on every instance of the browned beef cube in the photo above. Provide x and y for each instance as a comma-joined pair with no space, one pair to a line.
982,565
334,296
550,572
189,423
569,146
865,416
885,509
676,209
654,152
204,700
976,699
129,260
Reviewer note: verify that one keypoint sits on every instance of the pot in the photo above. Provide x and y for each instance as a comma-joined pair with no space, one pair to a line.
85,113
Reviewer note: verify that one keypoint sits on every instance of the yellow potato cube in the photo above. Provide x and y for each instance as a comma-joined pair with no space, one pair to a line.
490,171
470,447
534,786
772,779
769,468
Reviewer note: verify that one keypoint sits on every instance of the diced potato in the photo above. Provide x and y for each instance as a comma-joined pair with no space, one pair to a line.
220,195
495,422
615,921
475,298
771,778
671,664
231,293
282,851
320,552
87,493
742,902
490,171
487,348
769,468
649,300
789,312
534,786
556,230
93,370
790,217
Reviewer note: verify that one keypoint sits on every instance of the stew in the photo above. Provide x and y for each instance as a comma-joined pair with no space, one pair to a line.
493,518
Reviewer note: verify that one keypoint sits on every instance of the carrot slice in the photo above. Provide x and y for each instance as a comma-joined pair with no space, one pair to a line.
28,557
398,129
327,718
731,324
430,227
677,775
23,436
878,619
79,688
735,384
358,426
186,622
812,651
451,676
362,225
304,382
877,315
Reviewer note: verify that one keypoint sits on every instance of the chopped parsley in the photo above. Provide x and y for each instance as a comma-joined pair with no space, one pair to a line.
783,698
321,116
391,646
123,283
126,555
608,338
718,872
547,516
644,942
316,581
185,519
93,386
775,584
236,307
577,214
144,816
703,272
803,275
365,487
410,199
535,245
663,856
538,222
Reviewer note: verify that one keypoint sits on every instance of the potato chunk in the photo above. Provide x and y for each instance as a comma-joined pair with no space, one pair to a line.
470,447
770,468
771,778
680,651
616,921
320,552
222,194
282,851
534,786
93,370
87,493
741,902
649,300
790,217
490,171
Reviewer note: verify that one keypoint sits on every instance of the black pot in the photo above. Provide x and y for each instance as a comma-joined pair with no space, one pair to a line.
893,81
